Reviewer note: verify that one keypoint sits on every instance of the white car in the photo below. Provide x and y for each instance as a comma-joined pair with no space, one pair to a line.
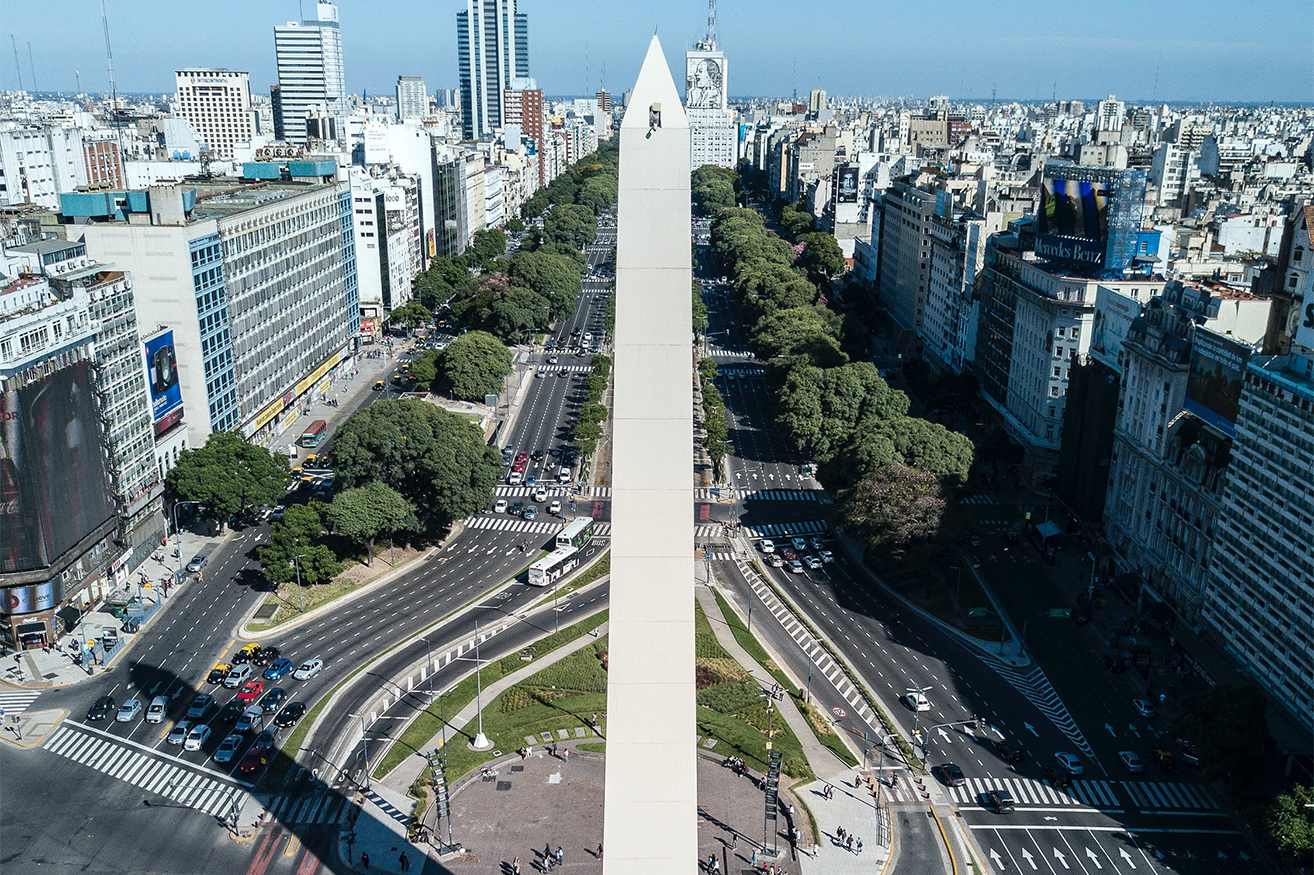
1143,708
155,713
554,508
540,495
1133,763
198,736
775,560
916,701
499,506
178,734
128,711
766,545
308,669
812,562
1069,763
795,567
826,556
799,544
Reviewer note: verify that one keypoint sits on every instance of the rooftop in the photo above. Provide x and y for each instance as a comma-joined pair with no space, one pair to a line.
214,199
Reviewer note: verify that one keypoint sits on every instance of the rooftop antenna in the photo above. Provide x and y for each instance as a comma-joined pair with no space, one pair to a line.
794,78
1155,93
114,90
77,77
17,66
31,65
710,38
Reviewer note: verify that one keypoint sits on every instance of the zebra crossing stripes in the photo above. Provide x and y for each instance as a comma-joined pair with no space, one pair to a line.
506,523
979,498
596,492
323,806
709,493
188,785
14,702
1032,683
720,557
775,530
1164,795
526,492
1027,791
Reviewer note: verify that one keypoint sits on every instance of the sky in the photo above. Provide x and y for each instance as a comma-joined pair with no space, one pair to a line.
1162,51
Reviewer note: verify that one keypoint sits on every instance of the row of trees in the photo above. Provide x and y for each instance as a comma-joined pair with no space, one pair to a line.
588,430
890,471
716,428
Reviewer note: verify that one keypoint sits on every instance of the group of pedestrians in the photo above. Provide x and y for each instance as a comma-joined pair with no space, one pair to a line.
848,840
564,754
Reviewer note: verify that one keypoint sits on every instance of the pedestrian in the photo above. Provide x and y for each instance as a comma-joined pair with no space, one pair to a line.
848,841
839,831
365,859
716,864
553,749
798,837
561,856
859,844
734,841
547,852
753,860
565,754
599,850
515,866
405,862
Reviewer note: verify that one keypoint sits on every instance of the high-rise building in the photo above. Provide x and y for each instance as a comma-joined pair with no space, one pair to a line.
817,101
217,103
492,48
256,277
100,154
310,74
524,107
905,251
412,99
38,163
604,100
713,136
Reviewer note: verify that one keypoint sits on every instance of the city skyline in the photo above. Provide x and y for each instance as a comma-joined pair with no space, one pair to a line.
776,48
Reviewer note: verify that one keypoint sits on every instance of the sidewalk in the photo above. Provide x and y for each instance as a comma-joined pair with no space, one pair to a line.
854,809
821,759
401,778
380,833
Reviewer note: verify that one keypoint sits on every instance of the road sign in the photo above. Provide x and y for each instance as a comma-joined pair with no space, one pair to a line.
839,712
977,612
1060,613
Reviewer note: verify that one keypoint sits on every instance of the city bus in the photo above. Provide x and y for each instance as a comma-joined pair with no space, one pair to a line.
577,533
553,565
312,436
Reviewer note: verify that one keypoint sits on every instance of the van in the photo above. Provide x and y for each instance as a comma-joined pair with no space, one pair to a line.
238,676
563,474
159,706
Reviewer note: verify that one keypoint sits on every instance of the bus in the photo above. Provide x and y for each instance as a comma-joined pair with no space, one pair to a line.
312,436
553,565
577,533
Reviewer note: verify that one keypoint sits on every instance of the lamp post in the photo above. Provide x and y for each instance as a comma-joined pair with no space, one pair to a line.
301,599
177,534
481,741
429,667
364,748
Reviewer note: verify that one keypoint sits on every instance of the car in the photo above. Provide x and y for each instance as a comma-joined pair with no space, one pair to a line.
775,560
273,699
247,653
200,705
516,507
789,554
1057,777
1000,801
290,715
1131,761
540,494
158,707
218,673
250,718
826,556
915,701
563,474
228,713
812,562
308,669
950,775
227,748
1164,759
276,671
552,359
128,711
264,742
250,692
794,566
1007,750
531,481
799,545
198,736
238,676
817,544
539,374
1069,763
531,512
197,563
499,506
266,657
252,762
554,452
178,734
515,478
766,545
379,386
537,455
1143,708
554,508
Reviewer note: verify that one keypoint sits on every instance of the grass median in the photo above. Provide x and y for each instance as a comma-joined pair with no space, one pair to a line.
595,571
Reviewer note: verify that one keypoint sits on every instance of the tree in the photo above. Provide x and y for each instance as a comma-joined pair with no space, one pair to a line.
228,475
514,225
554,277
712,188
932,447
1226,724
822,257
366,512
799,331
762,287
895,506
794,220
598,194
436,459
411,314
295,535
424,368
474,365
431,289
819,409
487,245
571,224
1290,823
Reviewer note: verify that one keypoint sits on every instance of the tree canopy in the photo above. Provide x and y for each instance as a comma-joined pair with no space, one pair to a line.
819,409
486,246
712,188
571,224
434,458
811,332
294,542
474,365
411,314
1290,823
556,278
895,506
228,475
822,257
368,512
1226,724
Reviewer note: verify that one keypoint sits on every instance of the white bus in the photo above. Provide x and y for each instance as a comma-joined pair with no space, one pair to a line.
577,533
553,565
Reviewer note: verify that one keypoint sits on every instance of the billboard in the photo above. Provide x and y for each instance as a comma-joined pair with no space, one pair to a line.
1114,313
162,381
1305,319
1213,387
1074,222
53,487
847,190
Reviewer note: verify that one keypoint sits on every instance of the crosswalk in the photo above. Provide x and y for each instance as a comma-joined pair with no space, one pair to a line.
554,490
183,783
774,530
17,701
722,352
506,523
744,372
321,806
995,525
1148,796
711,493
979,498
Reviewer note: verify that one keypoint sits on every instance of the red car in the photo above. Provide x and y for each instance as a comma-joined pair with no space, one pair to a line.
250,692
254,759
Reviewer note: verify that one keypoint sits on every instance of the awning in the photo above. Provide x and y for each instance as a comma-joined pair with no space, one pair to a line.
1048,530
69,615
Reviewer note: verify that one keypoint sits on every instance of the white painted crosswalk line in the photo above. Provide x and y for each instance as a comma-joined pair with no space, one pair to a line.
17,701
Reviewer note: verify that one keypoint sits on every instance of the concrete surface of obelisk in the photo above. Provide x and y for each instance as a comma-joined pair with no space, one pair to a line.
651,806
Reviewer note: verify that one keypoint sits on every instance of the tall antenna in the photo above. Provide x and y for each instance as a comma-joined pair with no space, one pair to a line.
77,77
114,90
31,64
17,66
586,69
793,78
1155,92
710,39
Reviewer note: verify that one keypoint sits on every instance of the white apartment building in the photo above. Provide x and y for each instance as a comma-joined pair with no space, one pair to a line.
386,225
957,255
310,74
494,197
1172,172
412,99
217,104
38,163
713,133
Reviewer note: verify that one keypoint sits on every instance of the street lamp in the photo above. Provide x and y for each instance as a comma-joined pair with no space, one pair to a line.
481,741
429,671
301,599
365,748
177,534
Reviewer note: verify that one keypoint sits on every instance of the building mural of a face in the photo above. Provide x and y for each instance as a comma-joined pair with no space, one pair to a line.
703,84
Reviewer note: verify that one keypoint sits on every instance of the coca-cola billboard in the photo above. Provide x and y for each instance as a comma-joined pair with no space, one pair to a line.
53,487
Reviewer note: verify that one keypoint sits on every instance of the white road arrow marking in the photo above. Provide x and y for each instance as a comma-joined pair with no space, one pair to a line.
1094,859
1031,729
1127,858
1058,855
1243,855
999,861
1135,732
1026,855
1110,728
945,736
